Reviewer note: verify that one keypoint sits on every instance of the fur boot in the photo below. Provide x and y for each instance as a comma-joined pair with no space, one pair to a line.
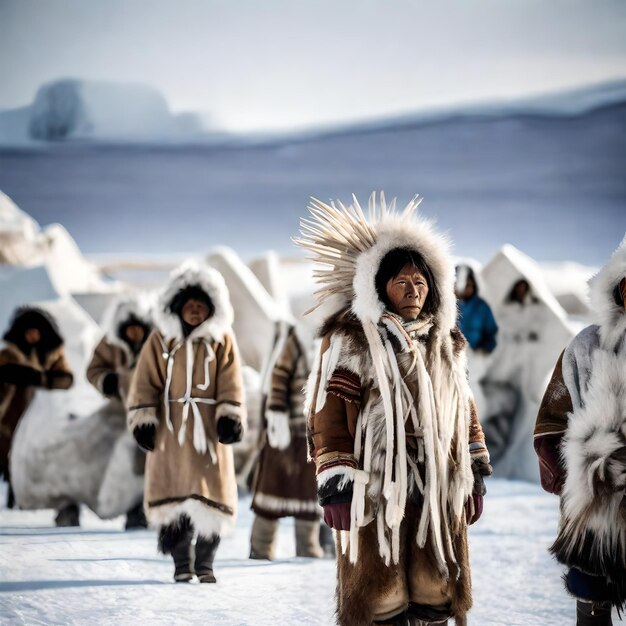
68,516
175,539
10,497
589,613
263,538
307,539
205,555
397,620
136,518
420,615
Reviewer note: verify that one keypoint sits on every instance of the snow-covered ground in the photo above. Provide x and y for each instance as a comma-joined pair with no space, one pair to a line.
102,575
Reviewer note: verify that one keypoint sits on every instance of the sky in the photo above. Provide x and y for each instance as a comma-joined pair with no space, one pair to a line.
288,64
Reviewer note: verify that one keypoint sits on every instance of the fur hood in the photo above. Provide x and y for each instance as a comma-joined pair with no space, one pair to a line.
33,317
212,283
611,317
121,310
351,248
416,235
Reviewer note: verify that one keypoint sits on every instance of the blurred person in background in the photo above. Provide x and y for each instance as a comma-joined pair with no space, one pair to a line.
478,325
33,358
580,439
186,406
127,324
284,484
514,380
476,320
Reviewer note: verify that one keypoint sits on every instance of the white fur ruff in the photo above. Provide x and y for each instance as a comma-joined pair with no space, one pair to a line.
596,430
285,505
610,316
207,520
120,310
213,284
142,417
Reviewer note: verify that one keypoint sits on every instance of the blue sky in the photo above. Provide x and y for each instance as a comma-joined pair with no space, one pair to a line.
283,64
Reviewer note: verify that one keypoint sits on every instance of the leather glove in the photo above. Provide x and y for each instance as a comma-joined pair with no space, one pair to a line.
337,515
145,436
110,385
229,430
57,379
21,375
474,508
474,505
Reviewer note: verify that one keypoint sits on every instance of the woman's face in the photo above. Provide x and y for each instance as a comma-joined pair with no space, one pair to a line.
521,290
195,312
469,291
135,333
407,292
32,336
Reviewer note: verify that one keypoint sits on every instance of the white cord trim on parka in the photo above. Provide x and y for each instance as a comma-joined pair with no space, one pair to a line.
200,441
441,493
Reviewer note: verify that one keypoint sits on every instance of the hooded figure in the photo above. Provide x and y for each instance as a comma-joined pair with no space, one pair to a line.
127,324
185,403
32,357
478,326
580,438
284,484
397,444
476,320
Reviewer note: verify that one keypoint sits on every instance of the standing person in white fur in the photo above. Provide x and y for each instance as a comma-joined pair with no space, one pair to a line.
186,405
580,438
399,452
127,324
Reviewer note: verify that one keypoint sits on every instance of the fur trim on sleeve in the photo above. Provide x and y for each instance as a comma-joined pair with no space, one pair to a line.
142,416
231,409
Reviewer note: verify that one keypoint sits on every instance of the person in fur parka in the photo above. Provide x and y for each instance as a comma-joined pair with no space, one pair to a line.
127,324
186,403
284,482
393,430
580,438
33,357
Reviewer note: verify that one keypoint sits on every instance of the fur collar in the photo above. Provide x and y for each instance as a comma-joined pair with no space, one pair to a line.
610,316
213,284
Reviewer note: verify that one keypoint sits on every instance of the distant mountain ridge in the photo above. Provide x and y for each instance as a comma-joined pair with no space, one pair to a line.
552,185
567,103
92,111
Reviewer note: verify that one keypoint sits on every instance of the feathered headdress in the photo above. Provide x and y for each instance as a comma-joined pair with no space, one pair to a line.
350,247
